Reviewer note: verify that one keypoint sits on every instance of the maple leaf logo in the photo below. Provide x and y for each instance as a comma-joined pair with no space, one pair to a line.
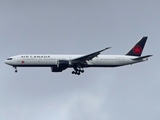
137,50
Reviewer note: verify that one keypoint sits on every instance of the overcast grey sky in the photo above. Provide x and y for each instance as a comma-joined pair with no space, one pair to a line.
79,27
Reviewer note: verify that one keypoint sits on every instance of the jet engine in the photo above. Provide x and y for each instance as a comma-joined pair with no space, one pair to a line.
61,65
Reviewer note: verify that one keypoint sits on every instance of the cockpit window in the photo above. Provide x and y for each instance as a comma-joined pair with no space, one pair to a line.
9,58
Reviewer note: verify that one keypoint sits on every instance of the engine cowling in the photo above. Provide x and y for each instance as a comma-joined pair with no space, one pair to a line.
61,65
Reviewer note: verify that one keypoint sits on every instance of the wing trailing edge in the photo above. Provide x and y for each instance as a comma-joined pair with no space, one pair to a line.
88,57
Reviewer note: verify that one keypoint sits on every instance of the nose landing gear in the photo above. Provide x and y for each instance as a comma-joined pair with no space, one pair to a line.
15,69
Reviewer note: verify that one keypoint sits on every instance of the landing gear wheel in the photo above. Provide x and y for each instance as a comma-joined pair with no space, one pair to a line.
16,71
73,72
77,71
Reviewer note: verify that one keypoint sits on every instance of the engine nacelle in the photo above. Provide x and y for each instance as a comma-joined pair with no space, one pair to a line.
61,65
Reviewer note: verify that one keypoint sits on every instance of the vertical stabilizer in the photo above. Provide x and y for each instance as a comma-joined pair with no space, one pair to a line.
138,48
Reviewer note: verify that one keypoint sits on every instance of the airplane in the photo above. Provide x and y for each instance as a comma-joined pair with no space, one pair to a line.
58,63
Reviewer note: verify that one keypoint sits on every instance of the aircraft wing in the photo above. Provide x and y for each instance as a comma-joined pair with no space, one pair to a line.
87,57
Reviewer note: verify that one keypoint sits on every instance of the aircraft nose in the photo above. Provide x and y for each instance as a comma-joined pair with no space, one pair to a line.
6,61
9,61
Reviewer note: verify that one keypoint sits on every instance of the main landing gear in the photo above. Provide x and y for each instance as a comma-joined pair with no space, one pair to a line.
78,71
15,69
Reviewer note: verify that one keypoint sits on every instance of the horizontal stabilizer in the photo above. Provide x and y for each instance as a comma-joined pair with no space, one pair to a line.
140,58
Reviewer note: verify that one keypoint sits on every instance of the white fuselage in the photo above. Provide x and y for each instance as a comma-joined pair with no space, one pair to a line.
58,63
51,60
